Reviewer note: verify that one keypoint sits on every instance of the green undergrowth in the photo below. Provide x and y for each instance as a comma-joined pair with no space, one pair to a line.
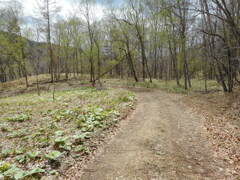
169,86
197,86
40,136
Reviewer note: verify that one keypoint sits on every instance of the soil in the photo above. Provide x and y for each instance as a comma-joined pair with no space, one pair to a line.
162,139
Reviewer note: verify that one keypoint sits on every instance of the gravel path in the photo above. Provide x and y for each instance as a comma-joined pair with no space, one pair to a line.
162,140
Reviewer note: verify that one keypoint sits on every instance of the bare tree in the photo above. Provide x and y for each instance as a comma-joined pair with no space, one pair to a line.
48,9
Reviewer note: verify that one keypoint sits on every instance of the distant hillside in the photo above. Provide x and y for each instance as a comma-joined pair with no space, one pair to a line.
36,59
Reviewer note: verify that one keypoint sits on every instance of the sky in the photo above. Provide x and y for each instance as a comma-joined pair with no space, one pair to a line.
67,7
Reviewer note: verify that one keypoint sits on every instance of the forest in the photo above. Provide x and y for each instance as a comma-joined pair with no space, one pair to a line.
143,40
75,73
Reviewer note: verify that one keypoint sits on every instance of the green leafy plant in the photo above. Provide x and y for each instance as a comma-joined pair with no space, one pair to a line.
82,148
92,118
33,155
115,113
53,155
18,134
80,123
14,172
4,128
43,141
63,114
35,171
4,166
62,143
58,133
127,98
7,152
19,118
18,151
21,158
66,147
79,137
53,172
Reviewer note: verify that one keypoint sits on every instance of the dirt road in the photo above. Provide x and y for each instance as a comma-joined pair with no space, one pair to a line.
162,140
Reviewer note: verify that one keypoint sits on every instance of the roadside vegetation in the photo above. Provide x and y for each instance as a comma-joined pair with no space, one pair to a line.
42,136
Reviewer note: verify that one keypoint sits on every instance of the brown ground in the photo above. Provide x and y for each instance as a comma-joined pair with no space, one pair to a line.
161,140
222,122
